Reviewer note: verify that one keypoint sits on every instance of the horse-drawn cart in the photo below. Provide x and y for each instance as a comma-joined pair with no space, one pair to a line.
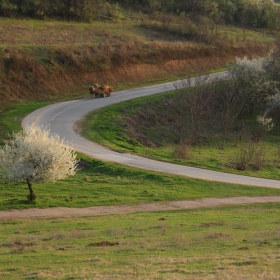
101,91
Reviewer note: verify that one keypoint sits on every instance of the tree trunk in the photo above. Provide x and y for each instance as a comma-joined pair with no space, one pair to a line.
224,138
225,128
31,195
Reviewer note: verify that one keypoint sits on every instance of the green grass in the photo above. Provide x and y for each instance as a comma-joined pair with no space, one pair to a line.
37,32
101,183
29,32
224,243
107,127
233,32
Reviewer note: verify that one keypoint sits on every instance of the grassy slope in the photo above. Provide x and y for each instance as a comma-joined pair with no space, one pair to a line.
111,184
211,156
46,59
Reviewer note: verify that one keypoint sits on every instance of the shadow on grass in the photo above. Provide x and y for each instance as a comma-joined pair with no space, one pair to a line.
17,204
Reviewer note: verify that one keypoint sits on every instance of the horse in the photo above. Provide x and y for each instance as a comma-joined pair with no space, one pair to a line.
93,91
106,89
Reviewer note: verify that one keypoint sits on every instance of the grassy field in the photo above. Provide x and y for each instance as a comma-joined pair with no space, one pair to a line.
28,32
226,243
235,33
100,183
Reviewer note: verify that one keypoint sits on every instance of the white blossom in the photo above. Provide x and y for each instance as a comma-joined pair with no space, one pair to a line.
274,101
249,67
245,67
265,122
36,155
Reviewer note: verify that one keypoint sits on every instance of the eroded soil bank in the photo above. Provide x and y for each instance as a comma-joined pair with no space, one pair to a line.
27,79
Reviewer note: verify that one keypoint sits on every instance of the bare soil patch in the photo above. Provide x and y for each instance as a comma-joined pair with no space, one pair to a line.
65,212
103,244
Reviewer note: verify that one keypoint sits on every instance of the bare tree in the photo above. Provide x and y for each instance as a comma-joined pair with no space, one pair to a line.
34,155
96,7
199,105
231,106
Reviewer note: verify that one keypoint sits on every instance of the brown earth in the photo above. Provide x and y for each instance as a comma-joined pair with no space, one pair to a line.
65,212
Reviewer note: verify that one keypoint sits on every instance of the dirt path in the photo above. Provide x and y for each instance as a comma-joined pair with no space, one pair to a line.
65,212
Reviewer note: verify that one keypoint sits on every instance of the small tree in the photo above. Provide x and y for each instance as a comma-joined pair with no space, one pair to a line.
253,81
36,155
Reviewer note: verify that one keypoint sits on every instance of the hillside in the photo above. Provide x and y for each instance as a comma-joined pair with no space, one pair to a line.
44,59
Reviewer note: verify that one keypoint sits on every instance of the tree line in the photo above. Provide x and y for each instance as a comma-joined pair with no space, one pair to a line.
242,108
80,10
251,95
253,13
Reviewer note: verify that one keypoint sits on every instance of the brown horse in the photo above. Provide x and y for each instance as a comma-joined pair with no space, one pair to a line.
106,89
93,91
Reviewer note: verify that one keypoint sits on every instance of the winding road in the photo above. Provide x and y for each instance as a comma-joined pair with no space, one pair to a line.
61,118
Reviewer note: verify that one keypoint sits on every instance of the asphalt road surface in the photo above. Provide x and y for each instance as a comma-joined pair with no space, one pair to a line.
61,118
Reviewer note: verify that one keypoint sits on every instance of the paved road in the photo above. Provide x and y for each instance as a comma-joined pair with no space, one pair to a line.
60,118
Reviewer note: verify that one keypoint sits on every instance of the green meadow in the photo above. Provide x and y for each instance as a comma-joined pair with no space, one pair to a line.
223,243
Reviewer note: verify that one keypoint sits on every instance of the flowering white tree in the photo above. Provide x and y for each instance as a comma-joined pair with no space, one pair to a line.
265,122
252,77
274,101
36,155
256,82
250,67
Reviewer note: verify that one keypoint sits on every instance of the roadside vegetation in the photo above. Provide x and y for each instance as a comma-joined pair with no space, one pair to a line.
36,155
